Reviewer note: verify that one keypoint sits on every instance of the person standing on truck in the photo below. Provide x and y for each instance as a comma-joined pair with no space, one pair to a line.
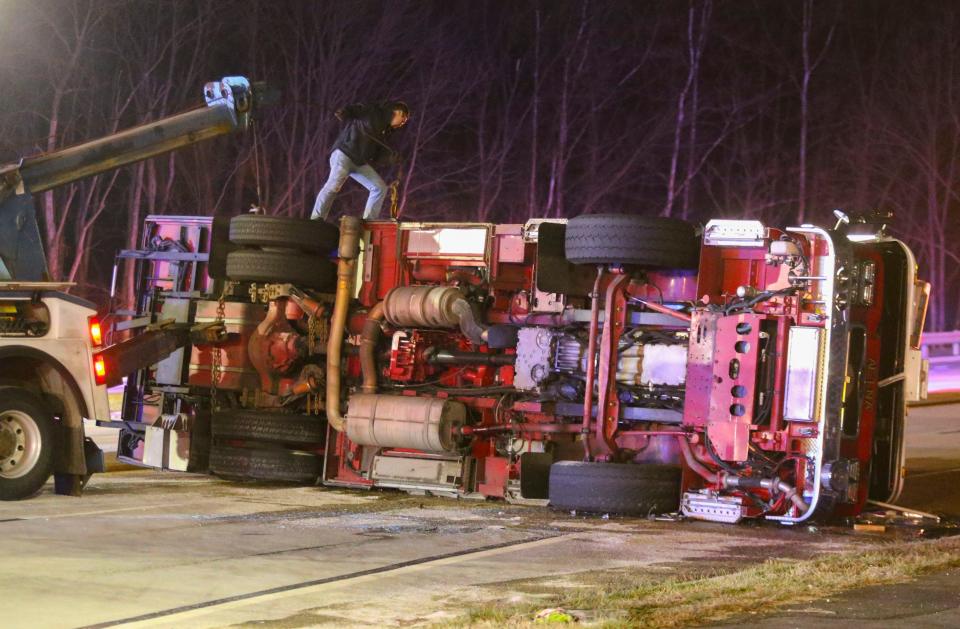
361,143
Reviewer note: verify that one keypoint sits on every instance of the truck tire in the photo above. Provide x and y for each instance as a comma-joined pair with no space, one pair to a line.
617,488
288,466
657,242
26,444
301,269
270,426
292,233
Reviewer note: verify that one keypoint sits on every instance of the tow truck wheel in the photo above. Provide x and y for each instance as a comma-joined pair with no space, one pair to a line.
292,233
264,464
301,269
651,241
26,444
617,488
270,426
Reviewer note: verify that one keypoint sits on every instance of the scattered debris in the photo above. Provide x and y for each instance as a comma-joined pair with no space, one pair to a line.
554,615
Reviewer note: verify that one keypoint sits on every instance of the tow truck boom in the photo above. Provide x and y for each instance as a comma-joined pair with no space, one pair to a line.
229,104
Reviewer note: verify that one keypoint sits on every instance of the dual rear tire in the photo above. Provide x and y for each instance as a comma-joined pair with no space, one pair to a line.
273,249
257,230
266,445
271,445
264,464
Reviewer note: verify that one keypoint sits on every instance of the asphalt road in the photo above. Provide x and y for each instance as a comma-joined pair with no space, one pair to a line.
145,549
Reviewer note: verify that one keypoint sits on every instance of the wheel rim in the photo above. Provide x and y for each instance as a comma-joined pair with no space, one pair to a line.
20,444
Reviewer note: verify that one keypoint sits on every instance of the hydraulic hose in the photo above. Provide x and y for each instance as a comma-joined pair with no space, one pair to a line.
350,228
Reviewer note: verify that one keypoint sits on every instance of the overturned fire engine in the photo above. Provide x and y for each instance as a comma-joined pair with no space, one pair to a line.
609,363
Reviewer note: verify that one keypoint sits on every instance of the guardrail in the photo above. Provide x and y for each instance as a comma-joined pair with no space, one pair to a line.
941,347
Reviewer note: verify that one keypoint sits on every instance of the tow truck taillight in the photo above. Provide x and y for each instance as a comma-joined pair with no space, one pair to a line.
99,370
96,334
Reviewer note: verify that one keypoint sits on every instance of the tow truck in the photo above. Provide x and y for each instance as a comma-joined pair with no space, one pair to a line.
610,363
51,376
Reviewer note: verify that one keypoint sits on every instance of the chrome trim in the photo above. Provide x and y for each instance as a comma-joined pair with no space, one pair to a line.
828,271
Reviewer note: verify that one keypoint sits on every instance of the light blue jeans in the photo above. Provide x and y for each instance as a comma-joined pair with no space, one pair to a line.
342,167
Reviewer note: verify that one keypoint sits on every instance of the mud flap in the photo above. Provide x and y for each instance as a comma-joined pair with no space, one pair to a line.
73,484
535,475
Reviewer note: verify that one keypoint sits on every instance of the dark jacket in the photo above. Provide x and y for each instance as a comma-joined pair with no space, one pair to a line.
365,132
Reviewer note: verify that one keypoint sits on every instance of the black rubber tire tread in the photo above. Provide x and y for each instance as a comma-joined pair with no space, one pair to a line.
16,398
288,466
301,269
265,425
650,241
616,488
277,231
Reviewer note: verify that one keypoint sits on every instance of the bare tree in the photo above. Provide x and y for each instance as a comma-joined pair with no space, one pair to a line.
71,30
694,110
162,70
915,167
810,64
698,18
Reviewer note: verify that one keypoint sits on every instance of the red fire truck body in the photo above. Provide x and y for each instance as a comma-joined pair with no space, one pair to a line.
612,363
748,373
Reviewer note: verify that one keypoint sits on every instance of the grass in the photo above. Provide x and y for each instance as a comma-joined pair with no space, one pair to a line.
678,600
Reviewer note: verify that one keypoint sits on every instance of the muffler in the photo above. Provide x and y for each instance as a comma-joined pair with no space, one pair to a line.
433,307
399,421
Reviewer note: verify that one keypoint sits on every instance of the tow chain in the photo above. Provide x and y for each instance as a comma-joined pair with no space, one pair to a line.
256,161
395,193
317,334
313,334
217,356
394,205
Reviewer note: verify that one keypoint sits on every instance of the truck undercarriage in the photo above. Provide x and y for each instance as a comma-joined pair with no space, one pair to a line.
609,363
612,363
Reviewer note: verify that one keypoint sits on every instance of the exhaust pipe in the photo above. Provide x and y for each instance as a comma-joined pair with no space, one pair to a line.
368,348
350,229
414,307
773,485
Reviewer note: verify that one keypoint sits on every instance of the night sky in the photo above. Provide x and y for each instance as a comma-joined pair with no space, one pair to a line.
780,111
